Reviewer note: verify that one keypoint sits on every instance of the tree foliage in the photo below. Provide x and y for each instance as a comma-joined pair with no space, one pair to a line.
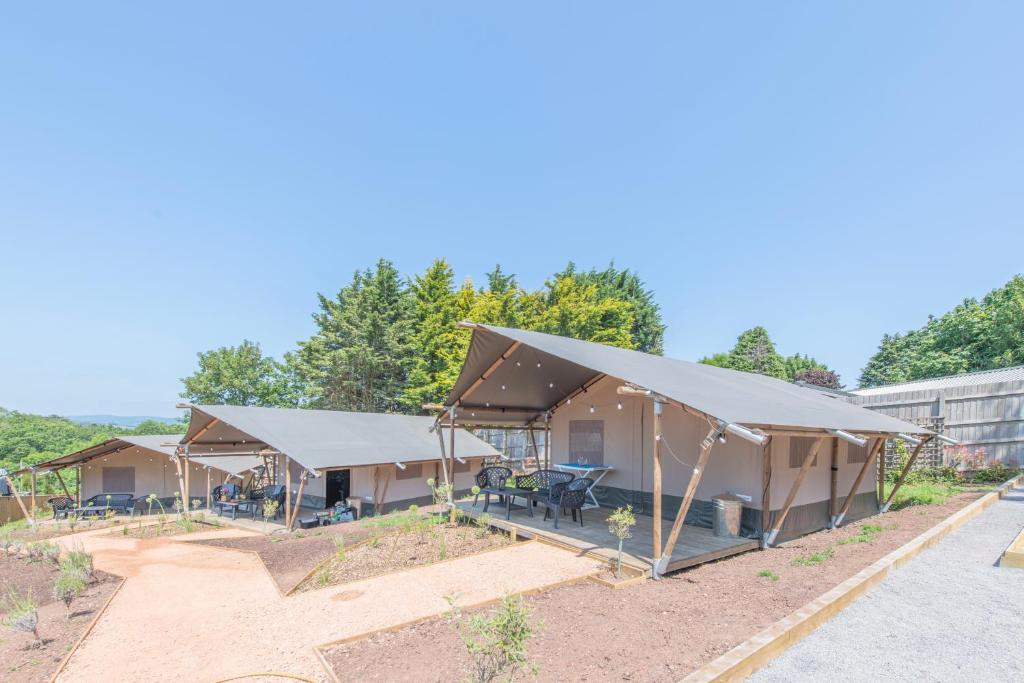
975,335
755,352
240,376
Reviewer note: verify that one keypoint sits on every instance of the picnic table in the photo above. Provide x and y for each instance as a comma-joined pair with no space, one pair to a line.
593,471
91,510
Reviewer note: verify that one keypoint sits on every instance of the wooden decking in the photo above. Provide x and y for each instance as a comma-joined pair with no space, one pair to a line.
696,544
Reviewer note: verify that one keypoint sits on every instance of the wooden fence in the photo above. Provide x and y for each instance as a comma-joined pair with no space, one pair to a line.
9,510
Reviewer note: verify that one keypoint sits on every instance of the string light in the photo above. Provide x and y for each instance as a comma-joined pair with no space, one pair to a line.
619,405
518,364
503,387
551,385
591,407
538,364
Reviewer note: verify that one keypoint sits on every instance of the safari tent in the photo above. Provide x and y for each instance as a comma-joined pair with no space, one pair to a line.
326,456
139,465
672,435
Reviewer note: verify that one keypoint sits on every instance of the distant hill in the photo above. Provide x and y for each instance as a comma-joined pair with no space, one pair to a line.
129,421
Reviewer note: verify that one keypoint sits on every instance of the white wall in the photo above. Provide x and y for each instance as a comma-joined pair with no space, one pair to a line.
154,473
734,466
817,483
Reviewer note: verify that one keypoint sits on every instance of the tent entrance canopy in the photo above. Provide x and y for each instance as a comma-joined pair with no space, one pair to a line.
160,444
516,377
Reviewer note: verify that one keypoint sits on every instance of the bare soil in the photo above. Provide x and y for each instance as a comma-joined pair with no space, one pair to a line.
21,661
52,529
170,527
658,630
402,550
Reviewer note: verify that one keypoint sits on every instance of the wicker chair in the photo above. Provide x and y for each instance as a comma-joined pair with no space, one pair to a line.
491,480
569,496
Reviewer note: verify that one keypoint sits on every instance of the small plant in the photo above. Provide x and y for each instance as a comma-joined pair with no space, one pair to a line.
51,552
269,509
35,550
78,560
768,574
484,524
68,586
620,525
496,641
814,559
339,549
323,575
21,614
867,534
6,540
374,539
124,531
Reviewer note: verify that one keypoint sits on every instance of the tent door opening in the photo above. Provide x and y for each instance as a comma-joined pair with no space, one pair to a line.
337,486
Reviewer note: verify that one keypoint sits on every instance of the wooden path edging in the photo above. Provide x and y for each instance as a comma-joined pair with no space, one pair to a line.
756,652
1013,557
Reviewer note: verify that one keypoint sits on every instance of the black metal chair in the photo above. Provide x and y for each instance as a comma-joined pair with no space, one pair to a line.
568,496
118,502
62,506
491,480
270,492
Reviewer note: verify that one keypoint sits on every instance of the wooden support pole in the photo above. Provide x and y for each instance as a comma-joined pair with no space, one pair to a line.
63,485
181,476
860,477
656,495
766,490
833,481
904,473
288,491
451,456
33,492
880,483
78,487
805,467
547,442
661,564
21,503
298,500
444,460
209,489
536,451
186,500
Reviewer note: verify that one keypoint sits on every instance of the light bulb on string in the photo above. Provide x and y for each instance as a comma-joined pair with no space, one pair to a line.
591,407
619,405
518,364
503,387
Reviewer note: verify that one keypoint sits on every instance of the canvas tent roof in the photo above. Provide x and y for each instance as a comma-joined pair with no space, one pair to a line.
321,439
164,444
544,369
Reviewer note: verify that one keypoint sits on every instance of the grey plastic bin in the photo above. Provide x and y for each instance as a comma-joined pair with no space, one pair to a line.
728,511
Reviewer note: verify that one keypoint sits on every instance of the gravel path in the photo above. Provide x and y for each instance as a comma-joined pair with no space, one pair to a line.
194,612
950,614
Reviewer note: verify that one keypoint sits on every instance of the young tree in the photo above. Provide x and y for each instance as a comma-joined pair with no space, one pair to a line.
496,641
620,525
359,357
242,376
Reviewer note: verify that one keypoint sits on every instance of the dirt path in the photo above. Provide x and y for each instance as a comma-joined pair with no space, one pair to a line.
200,613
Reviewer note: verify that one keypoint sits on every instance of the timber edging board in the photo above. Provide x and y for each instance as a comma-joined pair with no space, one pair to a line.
1013,557
756,652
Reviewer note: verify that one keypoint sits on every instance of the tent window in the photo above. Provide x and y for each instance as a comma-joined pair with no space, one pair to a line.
855,453
118,480
799,447
410,472
461,466
586,441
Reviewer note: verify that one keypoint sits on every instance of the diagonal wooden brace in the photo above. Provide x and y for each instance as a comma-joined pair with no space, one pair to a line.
661,563
879,445
805,466
903,473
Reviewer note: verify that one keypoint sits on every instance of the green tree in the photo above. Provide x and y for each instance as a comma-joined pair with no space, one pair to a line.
972,336
648,331
242,376
754,352
436,340
359,358
575,308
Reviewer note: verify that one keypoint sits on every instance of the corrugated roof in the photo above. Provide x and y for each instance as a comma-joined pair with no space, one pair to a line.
1013,374
319,439
546,368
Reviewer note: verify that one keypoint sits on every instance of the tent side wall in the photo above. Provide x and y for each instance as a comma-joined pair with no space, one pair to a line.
401,493
628,435
152,473
734,467
810,511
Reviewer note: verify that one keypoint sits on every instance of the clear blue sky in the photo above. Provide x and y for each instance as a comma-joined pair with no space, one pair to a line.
174,180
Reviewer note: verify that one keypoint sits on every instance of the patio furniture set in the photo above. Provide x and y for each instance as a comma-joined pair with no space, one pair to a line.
556,490
64,507
229,497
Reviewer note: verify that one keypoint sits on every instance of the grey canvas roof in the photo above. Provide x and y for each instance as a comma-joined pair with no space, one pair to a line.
163,444
547,368
322,439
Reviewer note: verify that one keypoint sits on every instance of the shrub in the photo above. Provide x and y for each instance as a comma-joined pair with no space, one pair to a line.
768,574
78,560
68,586
51,552
484,523
21,614
922,493
323,575
269,509
496,641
